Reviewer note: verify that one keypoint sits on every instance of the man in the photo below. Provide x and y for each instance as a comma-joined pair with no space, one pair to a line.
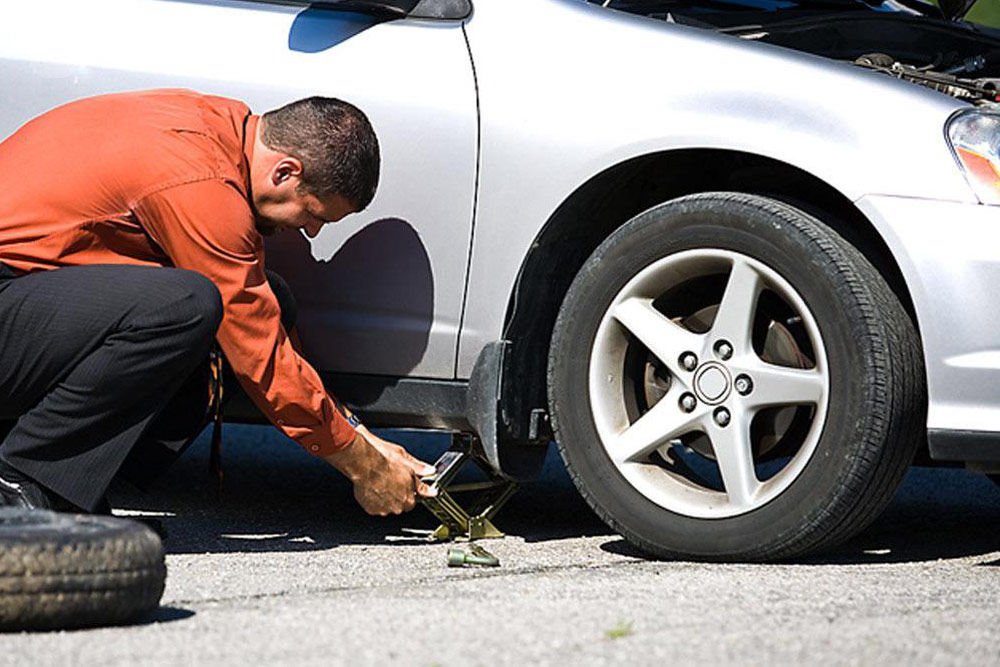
131,233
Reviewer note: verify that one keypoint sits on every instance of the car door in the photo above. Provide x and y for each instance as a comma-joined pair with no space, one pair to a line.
381,292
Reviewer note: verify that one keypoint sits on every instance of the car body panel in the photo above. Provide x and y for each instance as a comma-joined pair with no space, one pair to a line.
380,292
548,125
561,91
948,253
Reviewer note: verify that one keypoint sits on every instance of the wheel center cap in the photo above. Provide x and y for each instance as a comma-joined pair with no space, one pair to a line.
712,383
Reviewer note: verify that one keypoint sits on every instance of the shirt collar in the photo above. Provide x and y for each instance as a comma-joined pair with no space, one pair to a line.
249,138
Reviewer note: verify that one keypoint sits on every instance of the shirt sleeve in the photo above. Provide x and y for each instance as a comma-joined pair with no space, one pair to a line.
207,226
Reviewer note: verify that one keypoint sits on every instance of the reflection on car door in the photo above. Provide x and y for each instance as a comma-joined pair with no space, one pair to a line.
381,292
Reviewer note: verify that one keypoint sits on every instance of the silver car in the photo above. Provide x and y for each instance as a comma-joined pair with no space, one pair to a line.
740,259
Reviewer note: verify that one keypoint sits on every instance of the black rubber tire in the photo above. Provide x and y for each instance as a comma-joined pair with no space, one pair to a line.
62,571
877,399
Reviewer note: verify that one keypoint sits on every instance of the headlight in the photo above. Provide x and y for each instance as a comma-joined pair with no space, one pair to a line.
974,135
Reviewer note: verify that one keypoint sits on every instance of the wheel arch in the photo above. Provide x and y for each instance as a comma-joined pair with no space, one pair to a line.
608,200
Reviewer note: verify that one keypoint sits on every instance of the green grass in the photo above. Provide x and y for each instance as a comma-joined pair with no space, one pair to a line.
621,630
985,12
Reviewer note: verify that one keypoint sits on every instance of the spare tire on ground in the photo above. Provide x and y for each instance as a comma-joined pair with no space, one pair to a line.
62,571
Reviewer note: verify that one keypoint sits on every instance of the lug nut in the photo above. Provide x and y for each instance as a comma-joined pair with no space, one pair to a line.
688,402
723,349
689,361
743,384
722,417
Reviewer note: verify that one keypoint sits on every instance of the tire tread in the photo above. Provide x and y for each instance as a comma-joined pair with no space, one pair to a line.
76,571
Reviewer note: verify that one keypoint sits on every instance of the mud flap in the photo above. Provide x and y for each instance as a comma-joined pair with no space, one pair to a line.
519,461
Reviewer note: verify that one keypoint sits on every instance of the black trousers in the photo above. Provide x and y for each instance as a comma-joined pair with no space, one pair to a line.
104,368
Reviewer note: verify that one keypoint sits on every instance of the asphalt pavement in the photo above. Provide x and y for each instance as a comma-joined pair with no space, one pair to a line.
283,568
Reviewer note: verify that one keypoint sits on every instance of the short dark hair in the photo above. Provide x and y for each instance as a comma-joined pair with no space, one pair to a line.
335,142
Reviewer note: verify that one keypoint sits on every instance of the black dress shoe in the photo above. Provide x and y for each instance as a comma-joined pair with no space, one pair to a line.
19,490
103,507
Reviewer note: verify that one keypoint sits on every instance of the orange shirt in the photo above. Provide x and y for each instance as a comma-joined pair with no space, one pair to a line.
162,178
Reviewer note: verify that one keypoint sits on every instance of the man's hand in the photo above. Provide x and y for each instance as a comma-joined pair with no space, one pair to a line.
386,477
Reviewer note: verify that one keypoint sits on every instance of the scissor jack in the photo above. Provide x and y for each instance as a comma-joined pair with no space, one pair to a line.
483,500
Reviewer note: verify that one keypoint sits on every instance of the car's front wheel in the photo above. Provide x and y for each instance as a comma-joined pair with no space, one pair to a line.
730,379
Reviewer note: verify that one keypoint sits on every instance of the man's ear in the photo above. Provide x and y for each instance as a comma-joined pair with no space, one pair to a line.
284,169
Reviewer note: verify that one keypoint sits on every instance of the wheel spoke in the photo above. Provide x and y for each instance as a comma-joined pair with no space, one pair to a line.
775,385
664,422
716,374
734,456
734,319
665,339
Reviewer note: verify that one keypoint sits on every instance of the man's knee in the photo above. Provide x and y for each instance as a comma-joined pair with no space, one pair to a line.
201,307
206,302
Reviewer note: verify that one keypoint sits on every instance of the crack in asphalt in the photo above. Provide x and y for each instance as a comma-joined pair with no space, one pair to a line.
440,579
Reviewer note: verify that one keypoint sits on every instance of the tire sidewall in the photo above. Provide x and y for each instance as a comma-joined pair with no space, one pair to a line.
825,280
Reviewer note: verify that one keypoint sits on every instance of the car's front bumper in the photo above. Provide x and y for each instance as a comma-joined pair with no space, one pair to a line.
949,253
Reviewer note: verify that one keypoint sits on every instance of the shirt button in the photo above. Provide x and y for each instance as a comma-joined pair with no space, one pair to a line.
281,422
315,448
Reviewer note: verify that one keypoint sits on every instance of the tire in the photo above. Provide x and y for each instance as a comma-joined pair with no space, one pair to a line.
62,571
795,413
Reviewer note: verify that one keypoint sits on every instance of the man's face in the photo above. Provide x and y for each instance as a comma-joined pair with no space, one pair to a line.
282,203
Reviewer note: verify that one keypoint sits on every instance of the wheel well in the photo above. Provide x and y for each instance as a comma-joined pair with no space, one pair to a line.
613,197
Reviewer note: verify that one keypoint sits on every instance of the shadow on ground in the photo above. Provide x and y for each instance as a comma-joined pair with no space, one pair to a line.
936,514
157,616
277,498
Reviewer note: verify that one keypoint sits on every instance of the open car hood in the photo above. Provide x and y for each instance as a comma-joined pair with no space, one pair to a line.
952,10
907,39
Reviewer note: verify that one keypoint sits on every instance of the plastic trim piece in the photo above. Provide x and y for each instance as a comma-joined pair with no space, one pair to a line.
968,446
403,402
382,401
473,406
